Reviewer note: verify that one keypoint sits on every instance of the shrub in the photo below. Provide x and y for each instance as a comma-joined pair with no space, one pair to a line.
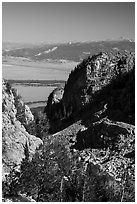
9,87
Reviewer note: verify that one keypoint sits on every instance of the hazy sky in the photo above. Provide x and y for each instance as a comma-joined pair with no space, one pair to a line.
63,22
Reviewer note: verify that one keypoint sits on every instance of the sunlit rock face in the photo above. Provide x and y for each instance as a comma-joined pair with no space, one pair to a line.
91,76
15,138
28,115
112,145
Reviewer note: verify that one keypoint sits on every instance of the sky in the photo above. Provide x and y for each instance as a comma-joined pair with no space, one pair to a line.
51,22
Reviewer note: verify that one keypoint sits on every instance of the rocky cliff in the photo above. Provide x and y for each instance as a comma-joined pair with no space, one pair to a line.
15,139
99,103
105,78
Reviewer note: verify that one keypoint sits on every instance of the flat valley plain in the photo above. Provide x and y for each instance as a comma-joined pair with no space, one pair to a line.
35,80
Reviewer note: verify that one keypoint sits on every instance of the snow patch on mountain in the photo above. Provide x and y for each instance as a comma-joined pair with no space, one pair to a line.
47,51
50,50
38,54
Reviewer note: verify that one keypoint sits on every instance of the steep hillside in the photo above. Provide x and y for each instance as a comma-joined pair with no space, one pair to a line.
98,110
99,82
15,139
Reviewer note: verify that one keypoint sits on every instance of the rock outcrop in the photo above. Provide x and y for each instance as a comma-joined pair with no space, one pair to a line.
54,105
105,134
107,151
100,98
101,79
15,139
91,76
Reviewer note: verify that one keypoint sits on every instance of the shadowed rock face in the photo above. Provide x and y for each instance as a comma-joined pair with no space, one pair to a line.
91,76
15,138
85,81
101,79
100,95
105,134
54,105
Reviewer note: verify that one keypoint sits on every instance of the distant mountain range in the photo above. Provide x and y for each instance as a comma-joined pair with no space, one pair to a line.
68,51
